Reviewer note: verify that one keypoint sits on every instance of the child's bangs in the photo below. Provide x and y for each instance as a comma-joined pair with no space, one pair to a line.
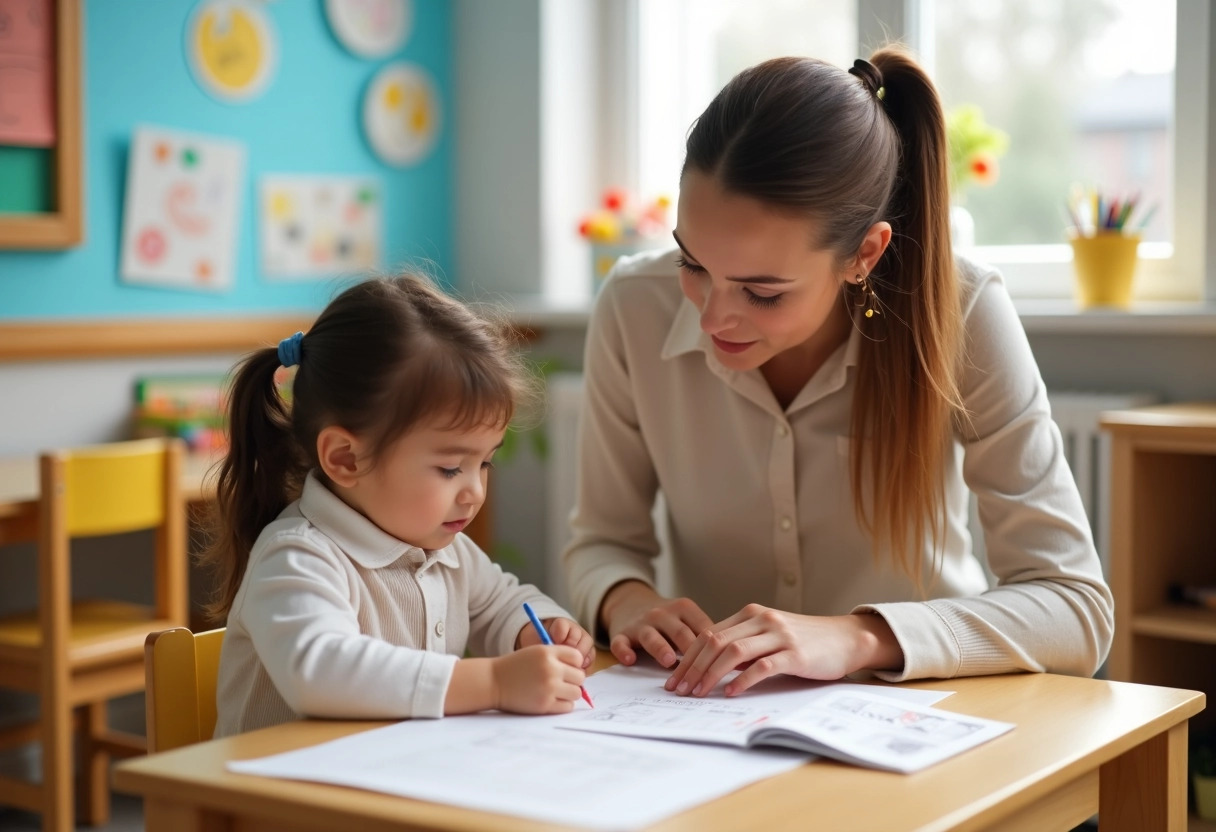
456,392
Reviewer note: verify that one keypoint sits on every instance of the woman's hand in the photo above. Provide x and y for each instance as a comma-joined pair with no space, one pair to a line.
637,616
767,642
561,631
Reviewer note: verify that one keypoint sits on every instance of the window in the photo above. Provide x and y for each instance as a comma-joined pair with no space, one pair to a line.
689,49
1085,89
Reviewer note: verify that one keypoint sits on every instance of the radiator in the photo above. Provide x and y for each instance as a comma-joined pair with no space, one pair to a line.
1085,446
1087,450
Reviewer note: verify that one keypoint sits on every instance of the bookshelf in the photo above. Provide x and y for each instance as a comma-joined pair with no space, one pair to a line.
1163,532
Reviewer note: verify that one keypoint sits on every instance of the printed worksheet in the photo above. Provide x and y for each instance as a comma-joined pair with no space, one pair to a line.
522,766
882,727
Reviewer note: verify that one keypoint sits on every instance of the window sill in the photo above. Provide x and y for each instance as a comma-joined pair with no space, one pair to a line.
1056,317
1062,317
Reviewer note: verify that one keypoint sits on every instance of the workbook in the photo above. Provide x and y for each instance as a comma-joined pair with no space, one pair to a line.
852,723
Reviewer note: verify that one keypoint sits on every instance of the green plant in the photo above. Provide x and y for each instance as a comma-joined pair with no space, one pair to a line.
531,433
974,148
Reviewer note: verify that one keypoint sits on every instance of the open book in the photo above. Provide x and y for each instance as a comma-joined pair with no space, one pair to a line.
852,723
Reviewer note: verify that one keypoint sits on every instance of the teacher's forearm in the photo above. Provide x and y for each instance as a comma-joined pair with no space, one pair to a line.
876,645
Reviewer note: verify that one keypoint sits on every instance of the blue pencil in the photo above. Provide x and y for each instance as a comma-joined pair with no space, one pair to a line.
544,637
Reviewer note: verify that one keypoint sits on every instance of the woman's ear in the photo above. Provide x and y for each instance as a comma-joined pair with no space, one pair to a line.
338,451
872,246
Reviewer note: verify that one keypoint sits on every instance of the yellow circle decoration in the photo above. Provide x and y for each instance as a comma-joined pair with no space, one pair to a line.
401,116
231,49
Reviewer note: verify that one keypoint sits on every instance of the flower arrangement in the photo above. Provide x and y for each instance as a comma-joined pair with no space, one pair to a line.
975,146
621,219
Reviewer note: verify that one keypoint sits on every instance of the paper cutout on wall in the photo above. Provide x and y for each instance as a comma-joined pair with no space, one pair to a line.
181,211
230,47
319,226
27,80
401,114
370,28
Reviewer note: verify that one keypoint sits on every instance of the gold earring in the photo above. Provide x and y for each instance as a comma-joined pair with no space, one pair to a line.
868,298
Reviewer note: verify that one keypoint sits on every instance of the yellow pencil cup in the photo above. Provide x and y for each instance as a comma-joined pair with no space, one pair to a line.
1105,265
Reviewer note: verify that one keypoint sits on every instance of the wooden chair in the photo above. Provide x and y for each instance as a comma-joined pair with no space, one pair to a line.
77,654
181,669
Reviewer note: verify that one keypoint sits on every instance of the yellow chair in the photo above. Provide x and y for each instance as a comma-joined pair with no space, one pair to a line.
181,669
77,654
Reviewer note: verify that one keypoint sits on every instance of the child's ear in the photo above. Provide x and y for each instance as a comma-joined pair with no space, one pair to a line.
338,452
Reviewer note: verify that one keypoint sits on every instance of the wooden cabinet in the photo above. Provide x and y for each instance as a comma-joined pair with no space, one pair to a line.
1163,532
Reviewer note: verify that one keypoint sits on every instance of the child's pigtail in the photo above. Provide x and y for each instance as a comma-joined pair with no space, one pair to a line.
262,472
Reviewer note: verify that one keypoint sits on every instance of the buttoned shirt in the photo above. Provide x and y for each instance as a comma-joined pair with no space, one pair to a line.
759,506
337,618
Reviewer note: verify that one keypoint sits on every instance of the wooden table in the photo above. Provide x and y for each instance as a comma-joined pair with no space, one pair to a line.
1080,746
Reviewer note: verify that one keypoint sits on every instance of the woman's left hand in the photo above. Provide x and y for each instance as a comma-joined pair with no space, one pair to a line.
765,642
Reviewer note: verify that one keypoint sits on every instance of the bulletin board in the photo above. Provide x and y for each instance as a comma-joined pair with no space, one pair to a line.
42,207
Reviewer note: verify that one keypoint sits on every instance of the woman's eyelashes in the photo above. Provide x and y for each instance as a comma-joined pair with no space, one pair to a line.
763,301
686,266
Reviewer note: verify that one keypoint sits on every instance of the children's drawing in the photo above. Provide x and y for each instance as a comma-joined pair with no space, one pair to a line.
319,225
27,90
181,211
401,114
231,50
370,28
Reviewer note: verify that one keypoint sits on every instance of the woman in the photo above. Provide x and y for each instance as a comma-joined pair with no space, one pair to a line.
815,382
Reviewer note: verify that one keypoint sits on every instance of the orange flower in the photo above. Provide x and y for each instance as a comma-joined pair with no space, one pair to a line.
983,168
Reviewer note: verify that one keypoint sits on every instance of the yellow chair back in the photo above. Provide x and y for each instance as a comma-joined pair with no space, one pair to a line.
181,669
109,489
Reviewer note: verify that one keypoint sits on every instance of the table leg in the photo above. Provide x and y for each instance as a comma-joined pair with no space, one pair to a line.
168,816
1145,787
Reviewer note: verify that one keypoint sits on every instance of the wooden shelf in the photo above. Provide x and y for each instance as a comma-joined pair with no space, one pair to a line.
1177,622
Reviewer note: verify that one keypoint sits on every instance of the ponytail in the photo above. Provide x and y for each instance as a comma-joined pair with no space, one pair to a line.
262,472
907,398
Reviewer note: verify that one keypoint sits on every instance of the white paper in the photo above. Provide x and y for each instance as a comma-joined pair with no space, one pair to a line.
181,209
520,766
319,226
883,727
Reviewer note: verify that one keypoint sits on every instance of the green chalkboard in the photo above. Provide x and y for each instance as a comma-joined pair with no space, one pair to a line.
25,180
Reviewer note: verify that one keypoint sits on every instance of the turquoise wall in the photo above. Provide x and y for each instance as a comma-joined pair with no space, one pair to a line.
306,121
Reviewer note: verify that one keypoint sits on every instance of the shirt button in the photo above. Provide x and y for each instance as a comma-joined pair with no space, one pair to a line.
439,628
783,431
786,524
789,580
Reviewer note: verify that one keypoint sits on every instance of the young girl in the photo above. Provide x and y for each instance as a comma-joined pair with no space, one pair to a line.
348,588
815,382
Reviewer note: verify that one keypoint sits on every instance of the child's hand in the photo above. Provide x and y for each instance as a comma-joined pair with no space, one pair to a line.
562,631
539,679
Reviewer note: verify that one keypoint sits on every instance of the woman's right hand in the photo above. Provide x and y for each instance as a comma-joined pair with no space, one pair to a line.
540,679
636,616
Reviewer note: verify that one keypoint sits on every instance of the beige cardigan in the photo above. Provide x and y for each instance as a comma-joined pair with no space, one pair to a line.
759,505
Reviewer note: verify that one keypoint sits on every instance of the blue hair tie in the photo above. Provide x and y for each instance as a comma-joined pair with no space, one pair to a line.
289,350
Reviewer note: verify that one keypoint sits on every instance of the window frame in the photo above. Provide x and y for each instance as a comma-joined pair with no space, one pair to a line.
1184,270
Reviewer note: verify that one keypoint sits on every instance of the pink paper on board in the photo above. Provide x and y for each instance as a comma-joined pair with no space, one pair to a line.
27,80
